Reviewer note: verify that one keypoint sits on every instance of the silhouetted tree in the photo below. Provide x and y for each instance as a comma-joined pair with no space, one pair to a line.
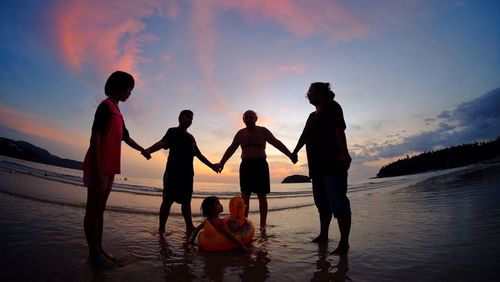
454,156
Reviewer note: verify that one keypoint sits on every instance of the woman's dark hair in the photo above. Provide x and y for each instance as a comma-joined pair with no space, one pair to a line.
207,206
117,82
324,89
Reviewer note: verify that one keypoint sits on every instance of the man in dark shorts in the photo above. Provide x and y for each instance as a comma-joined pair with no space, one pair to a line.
254,171
328,161
179,172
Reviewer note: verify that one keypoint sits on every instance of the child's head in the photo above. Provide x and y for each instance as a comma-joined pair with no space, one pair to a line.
118,82
211,207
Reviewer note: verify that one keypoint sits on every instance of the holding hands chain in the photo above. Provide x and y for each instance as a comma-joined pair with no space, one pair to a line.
146,153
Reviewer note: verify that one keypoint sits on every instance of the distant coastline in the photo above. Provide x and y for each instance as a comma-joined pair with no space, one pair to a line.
29,152
451,157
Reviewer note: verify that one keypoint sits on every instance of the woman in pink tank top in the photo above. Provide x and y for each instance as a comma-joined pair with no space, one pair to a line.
102,162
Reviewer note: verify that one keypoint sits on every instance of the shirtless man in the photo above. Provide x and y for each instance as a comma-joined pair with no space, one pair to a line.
254,170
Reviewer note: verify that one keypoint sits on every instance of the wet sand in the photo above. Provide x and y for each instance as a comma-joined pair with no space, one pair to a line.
442,229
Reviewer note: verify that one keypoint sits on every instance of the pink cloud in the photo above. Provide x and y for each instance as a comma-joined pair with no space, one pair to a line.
105,35
38,126
304,18
205,37
294,69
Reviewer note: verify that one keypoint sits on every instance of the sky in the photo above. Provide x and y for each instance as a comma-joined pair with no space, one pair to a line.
411,76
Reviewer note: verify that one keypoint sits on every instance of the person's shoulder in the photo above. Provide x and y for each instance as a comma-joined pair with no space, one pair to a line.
172,129
104,104
333,107
241,131
335,104
263,129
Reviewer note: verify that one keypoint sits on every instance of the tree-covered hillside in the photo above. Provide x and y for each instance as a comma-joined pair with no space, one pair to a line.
455,156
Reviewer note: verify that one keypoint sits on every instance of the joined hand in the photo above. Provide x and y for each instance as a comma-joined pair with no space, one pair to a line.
146,154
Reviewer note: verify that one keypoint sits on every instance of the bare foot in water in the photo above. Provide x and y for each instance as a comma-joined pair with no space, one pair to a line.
320,239
340,250
189,230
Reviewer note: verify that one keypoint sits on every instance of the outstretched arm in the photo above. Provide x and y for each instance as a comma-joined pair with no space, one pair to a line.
230,151
193,235
204,160
155,147
129,141
279,145
300,143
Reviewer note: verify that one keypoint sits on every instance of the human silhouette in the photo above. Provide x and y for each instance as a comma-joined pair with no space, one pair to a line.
179,172
102,162
328,161
254,170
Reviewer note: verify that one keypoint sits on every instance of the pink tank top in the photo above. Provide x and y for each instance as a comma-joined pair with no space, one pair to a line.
111,140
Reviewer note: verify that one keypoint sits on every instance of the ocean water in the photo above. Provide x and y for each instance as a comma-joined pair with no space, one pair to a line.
143,195
438,226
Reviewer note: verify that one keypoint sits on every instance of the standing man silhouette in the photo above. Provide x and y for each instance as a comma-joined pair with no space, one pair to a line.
254,170
179,172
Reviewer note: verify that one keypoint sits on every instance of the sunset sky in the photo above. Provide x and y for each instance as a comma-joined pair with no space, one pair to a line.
411,76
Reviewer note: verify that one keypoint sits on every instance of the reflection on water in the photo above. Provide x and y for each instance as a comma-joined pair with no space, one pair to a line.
176,267
191,264
443,229
327,271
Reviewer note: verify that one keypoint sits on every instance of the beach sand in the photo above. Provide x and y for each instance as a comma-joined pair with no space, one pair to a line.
443,229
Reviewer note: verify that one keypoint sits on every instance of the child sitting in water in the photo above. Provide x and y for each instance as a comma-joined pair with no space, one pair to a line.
211,208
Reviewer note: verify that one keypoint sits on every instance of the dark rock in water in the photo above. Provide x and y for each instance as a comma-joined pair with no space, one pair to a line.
296,179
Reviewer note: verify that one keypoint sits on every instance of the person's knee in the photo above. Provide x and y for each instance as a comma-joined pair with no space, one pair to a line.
342,211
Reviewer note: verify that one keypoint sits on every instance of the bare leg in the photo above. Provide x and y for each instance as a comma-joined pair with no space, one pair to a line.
344,228
324,219
263,210
105,196
246,198
186,213
91,222
164,213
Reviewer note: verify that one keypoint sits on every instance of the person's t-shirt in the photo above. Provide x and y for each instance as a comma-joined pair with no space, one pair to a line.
322,146
101,119
183,148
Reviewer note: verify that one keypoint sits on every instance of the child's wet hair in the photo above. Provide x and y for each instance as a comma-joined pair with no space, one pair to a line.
207,206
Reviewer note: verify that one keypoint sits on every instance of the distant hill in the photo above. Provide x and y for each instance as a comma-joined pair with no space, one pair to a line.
296,179
26,151
456,156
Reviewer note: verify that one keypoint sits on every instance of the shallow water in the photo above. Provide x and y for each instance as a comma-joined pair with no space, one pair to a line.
442,229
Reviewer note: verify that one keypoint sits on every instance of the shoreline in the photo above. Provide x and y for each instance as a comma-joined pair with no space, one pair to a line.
426,231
